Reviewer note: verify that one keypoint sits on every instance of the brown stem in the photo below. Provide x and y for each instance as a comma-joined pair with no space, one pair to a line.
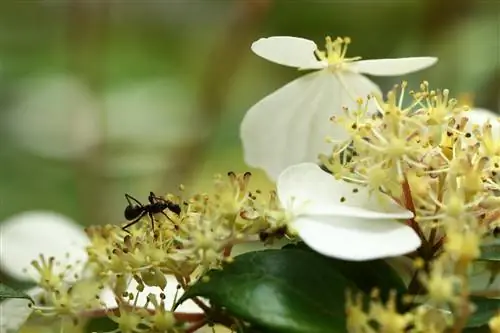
196,300
196,326
227,251
438,245
486,293
408,200
216,82
181,316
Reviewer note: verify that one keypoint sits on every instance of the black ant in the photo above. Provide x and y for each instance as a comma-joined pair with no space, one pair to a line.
135,211
277,233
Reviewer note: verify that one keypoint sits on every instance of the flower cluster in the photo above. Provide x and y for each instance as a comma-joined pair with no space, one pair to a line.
135,276
434,158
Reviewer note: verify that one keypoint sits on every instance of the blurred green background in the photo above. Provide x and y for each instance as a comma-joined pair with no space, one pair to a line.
99,98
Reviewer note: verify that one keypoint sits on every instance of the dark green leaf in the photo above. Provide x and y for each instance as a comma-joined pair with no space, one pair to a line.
481,329
281,291
366,275
485,309
7,292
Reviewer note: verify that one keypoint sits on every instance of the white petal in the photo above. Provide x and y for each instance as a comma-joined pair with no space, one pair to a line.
171,292
356,238
390,67
479,116
306,189
15,311
107,298
290,125
27,235
288,51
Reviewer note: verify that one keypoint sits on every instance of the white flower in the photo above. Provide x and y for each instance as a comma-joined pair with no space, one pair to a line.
342,220
291,125
27,235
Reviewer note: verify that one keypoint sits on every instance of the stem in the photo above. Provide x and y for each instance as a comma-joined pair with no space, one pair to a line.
463,307
227,251
196,326
415,286
181,316
196,300
438,245
408,200
486,293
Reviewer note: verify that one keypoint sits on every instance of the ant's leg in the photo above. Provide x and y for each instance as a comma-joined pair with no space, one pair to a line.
134,221
152,221
152,197
129,197
168,217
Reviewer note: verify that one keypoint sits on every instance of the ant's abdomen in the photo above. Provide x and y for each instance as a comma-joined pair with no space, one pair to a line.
131,212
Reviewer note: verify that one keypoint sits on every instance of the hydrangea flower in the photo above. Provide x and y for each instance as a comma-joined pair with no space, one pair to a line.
343,220
27,235
291,125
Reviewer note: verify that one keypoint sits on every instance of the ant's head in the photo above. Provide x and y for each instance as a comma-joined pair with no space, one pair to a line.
174,207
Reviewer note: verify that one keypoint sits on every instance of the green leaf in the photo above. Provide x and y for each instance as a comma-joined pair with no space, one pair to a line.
485,309
290,291
7,292
366,275
481,329
490,252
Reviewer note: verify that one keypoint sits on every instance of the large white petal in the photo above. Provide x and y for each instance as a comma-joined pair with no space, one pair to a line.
390,67
306,189
170,295
15,311
356,238
290,125
27,235
288,51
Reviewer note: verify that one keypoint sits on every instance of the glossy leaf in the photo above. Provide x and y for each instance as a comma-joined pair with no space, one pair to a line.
366,275
485,309
291,291
7,292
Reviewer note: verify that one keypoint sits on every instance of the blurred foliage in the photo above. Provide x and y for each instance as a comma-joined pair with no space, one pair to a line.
116,47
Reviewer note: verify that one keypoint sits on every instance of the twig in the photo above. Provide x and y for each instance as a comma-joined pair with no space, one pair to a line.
196,326
181,316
